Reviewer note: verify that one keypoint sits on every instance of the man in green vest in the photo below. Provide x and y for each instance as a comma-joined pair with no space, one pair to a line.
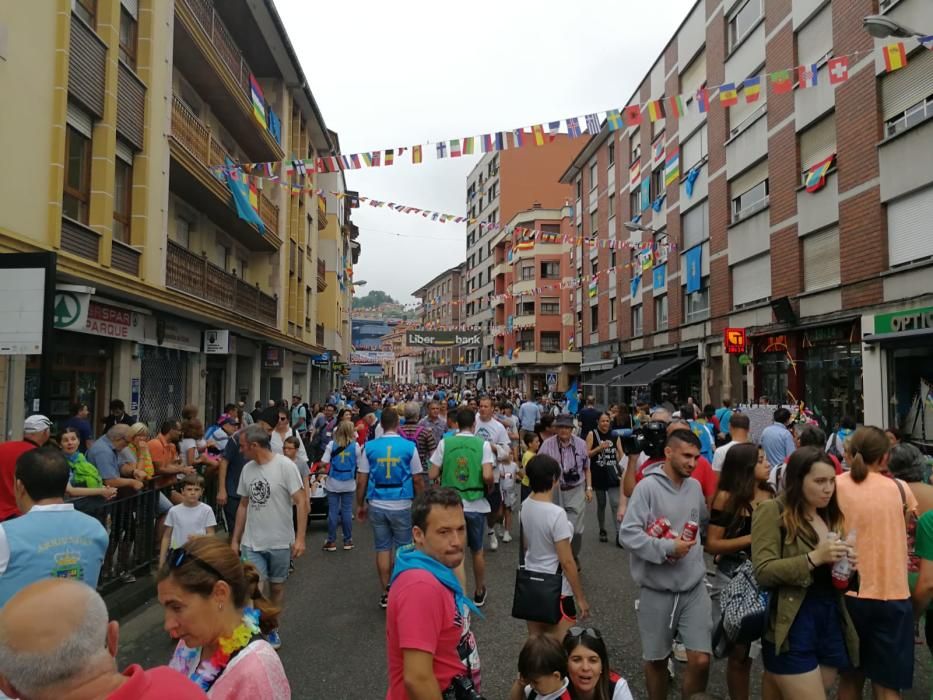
464,463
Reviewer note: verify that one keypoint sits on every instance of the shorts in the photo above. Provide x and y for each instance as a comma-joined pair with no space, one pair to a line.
509,497
391,528
886,640
476,530
568,608
662,614
815,639
272,563
495,498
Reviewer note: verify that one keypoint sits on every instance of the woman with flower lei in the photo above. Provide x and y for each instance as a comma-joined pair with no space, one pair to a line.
205,589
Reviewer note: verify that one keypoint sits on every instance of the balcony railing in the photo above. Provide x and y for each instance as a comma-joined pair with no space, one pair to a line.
321,275
196,137
219,36
195,275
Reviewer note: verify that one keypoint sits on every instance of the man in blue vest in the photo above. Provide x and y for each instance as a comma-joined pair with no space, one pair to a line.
52,539
384,480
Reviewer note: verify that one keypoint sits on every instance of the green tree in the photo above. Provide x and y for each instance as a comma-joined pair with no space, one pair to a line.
375,298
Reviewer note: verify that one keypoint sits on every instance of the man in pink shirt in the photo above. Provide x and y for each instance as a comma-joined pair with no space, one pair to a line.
429,645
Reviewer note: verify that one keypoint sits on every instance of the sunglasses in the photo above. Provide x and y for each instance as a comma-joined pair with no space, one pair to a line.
180,556
580,631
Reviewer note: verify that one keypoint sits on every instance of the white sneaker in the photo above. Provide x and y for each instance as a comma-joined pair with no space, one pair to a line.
680,652
493,542
506,536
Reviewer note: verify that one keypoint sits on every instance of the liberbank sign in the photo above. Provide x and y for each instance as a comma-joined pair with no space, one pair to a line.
442,339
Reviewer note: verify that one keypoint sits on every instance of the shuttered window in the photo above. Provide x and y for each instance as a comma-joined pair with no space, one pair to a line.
748,179
694,76
695,225
82,122
693,149
751,280
821,260
131,6
909,227
906,87
741,114
124,152
818,142
815,40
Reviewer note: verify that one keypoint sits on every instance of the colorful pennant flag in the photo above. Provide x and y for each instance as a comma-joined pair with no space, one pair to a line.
838,70
455,148
488,145
702,100
500,141
727,95
593,289
807,76
655,110
416,154
657,151
553,129
645,193
751,88
355,160
592,123
632,115
672,167
634,173
675,106
573,127
895,56
816,176
926,41
518,137
691,179
467,145
781,82
613,119
259,102
537,131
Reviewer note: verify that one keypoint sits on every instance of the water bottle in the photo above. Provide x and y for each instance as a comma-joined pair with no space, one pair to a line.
842,569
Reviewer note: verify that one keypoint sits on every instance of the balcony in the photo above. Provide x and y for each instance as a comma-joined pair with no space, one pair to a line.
321,275
194,148
321,214
209,58
193,274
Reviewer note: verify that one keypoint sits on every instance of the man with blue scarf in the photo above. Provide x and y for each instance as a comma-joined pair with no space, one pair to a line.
430,648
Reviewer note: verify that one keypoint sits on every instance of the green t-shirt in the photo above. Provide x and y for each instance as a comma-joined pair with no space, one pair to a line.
923,544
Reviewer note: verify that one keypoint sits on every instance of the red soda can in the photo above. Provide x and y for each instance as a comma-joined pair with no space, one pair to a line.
690,531
659,528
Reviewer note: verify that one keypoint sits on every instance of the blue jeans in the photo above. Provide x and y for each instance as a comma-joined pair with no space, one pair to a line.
339,505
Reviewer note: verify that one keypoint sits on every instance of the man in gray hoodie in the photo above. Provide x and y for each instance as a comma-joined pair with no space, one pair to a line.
670,573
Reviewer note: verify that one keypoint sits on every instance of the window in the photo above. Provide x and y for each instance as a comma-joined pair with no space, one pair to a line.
660,313
550,270
593,175
751,280
907,94
695,225
635,145
637,320
657,183
612,205
76,192
122,200
634,201
526,308
579,188
817,143
911,116
750,201
612,309
693,77
821,260
86,10
550,341
612,259
127,38
594,223
694,149
550,307
528,272
612,153
594,318
182,232
909,227
742,21
594,266
697,304
526,339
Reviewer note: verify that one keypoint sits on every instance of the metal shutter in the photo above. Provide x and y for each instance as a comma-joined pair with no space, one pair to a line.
748,179
124,152
694,76
821,260
80,120
815,40
693,149
909,227
132,7
751,280
741,113
817,142
695,225
907,86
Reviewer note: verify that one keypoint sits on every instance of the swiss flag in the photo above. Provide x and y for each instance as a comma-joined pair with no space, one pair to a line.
838,69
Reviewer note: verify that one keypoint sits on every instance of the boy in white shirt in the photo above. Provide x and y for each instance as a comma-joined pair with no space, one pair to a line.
188,519
507,484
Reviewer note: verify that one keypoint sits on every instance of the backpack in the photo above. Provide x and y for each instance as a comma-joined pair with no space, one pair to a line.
414,438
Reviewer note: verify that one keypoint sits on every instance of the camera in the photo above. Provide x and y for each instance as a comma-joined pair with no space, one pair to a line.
649,438
462,688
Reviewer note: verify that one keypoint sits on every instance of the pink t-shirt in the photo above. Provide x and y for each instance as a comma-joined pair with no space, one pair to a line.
422,616
255,672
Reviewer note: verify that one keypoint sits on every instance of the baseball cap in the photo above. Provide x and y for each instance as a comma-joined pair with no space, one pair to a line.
36,424
564,420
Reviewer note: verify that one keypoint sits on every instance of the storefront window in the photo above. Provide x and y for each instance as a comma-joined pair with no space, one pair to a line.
774,368
910,391
833,382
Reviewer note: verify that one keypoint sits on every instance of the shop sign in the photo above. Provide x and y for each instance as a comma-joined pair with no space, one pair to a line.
370,357
829,335
272,357
70,309
217,342
774,343
170,333
109,321
442,338
321,359
460,368
735,342
902,321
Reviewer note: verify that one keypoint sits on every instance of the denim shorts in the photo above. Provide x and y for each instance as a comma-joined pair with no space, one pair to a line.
476,530
815,639
272,563
391,528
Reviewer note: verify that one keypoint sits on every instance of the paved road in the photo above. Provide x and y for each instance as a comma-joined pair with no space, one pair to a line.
333,631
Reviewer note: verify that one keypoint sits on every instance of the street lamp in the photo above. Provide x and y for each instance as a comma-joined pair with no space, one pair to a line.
633,226
882,26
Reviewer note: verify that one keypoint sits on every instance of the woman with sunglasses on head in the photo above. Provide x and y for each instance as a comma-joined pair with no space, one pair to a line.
283,430
743,486
796,540
214,609
588,668
85,480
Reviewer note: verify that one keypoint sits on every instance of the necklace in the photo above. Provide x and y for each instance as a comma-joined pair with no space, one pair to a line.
208,670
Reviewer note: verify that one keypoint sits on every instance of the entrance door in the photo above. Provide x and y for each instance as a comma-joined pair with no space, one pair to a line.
214,394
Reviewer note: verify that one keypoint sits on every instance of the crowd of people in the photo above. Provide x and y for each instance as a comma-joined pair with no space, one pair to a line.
834,533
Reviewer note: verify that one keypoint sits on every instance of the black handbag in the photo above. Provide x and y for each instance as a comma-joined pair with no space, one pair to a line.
537,594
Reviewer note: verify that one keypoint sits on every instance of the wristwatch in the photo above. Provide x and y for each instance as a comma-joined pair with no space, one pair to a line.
589,488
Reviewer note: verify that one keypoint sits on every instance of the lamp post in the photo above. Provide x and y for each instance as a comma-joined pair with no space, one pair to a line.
882,26
633,226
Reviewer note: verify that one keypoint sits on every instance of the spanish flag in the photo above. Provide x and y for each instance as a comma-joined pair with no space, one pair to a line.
655,110
416,154
538,132
727,95
895,57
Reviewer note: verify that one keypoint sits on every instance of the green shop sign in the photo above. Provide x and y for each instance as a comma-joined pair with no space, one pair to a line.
901,321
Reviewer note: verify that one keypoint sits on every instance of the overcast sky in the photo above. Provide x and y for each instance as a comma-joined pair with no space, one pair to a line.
396,74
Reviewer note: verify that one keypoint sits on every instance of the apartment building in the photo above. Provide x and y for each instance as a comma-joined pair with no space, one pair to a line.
501,185
813,278
533,303
164,294
442,307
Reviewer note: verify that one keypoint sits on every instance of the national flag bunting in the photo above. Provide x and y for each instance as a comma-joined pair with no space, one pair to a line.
751,89
655,110
727,95
467,145
518,135
416,154
376,157
634,173
703,100
553,129
926,41
816,176
538,132
355,160
593,289
675,106
838,70
573,127
895,56
500,141
613,119
592,123
632,115
367,159
808,76
781,82
672,167
488,143
454,148
441,150
258,100
657,151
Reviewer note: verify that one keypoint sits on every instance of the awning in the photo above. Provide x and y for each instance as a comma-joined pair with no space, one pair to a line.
654,370
597,366
610,376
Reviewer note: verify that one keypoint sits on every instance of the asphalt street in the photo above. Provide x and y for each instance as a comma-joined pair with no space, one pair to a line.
333,630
